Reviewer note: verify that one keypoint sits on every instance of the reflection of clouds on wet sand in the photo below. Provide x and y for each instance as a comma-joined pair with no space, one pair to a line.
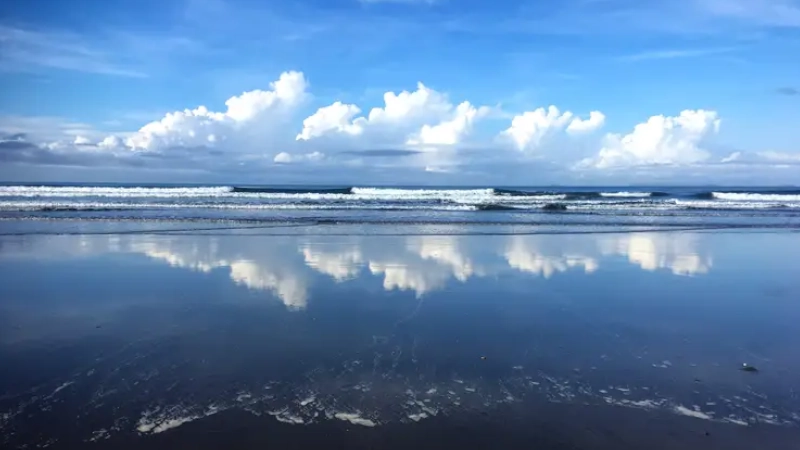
420,264
446,251
287,285
341,265
525,253
254,266
426,264
652,251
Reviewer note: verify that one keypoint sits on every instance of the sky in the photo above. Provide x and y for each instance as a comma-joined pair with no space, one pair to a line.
428,92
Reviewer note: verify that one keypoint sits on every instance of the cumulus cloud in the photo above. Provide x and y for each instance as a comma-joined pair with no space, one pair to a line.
452,131
337,118
659,141
596,120
532,129
111,143
248,115
422,117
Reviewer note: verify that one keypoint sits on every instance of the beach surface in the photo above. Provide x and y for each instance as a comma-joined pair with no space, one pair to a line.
240,335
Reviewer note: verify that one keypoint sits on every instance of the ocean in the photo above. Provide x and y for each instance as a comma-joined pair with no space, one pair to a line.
629,205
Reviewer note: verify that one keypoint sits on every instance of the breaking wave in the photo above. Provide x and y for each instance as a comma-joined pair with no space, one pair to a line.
58,201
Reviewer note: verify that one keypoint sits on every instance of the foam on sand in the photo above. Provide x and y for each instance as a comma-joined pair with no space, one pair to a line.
696,413
62,387
157,420
355,419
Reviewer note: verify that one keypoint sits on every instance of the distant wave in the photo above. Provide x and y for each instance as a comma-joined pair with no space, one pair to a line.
588,195
581,195
58,200
262,190
760,197
120,192
714,205
750,195
520,193
495,207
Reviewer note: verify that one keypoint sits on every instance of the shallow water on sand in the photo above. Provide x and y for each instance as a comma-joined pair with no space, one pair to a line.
391,337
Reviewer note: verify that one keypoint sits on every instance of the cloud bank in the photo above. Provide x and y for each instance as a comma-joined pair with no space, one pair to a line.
280,130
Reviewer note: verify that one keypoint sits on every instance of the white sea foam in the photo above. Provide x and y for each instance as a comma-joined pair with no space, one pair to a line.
716,204
625,194
359,193
96,206
752,197
308,400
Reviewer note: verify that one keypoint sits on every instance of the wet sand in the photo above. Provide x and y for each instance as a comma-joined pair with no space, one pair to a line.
411,340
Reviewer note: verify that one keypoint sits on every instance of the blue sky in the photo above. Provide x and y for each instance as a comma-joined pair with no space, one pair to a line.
689,91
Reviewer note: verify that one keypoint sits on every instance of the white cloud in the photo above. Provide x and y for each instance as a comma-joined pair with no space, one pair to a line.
81,140
452,131
595,121
530,130
248,115
111,143
287,158
660,140
422,117
735,156
419,132
337,118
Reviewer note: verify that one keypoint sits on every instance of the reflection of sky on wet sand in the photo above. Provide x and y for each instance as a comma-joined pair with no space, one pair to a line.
421,264
371,330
